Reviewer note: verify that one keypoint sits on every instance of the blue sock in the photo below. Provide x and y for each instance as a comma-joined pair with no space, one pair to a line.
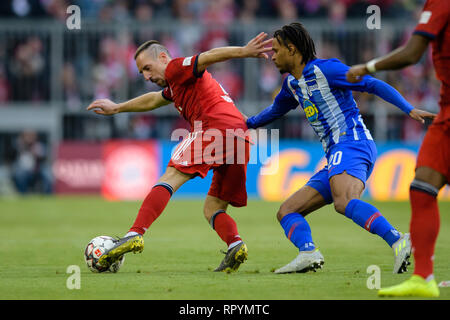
297,230
367,216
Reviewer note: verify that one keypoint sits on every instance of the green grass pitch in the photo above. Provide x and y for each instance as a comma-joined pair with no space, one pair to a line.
41,237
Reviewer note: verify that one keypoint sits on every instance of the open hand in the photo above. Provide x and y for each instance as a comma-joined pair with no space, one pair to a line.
257,47
104,106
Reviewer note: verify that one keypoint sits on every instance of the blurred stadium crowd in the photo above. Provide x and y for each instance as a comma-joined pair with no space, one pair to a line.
217,11
98,63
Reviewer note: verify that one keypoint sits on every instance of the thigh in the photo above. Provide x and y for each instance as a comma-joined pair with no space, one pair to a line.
355,158
303,201
346,186
433,159
320,183
188,156
229,180
349,166
229,184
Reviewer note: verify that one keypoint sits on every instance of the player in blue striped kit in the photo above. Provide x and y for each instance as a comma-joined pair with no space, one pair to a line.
320,87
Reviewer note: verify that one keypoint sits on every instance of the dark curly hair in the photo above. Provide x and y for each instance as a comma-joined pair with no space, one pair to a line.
296,34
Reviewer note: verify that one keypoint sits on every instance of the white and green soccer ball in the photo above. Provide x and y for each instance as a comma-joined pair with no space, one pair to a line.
95,249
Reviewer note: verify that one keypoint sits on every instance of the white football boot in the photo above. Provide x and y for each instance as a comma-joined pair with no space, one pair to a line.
304,262
402,253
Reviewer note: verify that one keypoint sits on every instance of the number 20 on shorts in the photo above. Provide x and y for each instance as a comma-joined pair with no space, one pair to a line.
335,158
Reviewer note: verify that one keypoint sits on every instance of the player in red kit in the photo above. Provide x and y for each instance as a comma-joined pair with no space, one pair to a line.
216,124
433,161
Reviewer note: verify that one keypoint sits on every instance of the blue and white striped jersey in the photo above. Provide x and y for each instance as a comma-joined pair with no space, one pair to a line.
326,98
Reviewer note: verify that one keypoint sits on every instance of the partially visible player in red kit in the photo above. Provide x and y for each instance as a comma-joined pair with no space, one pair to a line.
433,161
215,121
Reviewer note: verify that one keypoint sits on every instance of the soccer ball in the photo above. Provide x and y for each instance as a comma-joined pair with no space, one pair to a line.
95,249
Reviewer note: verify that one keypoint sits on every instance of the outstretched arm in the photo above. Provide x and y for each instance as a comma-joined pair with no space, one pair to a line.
268,115
145,102
432,22
283,103
336,72
255,48
389,94
401,57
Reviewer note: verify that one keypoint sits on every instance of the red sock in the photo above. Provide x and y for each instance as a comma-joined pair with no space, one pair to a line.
226,228
424,231
152,207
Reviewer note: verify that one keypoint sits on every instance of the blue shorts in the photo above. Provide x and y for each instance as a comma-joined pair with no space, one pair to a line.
356,158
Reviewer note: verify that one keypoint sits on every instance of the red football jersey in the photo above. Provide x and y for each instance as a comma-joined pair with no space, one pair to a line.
198,97
434,24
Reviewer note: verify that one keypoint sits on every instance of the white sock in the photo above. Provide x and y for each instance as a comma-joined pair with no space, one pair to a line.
234,244
131,233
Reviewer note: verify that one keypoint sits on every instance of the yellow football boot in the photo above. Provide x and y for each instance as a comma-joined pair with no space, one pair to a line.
233,258
134,243
416,286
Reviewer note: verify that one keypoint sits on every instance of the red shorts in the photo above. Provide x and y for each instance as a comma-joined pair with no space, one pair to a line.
227,156
435,149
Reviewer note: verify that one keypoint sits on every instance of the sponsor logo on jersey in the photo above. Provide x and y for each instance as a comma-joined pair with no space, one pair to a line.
311,112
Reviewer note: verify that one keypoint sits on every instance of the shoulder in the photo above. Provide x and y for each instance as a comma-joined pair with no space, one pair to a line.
182,70
173,66
287,81
329,68
286,96
179,63
286,87
326,64
437,6
433,19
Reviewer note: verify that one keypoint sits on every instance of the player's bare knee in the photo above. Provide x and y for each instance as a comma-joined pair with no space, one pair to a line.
283,210
174,178
213,205
206,214
280,215
430,176
340,204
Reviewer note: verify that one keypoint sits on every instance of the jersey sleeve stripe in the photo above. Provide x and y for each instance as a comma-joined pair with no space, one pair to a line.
425,34
196,73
